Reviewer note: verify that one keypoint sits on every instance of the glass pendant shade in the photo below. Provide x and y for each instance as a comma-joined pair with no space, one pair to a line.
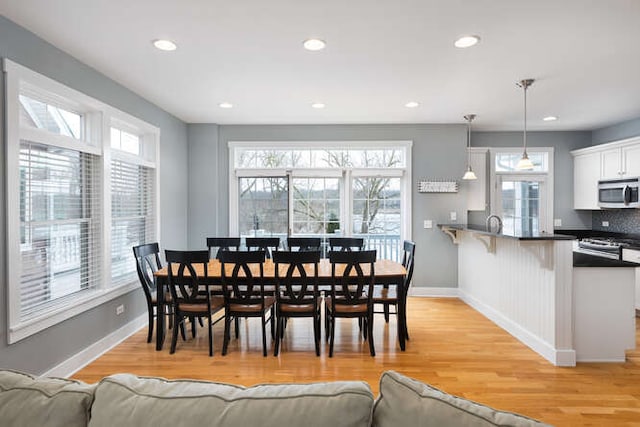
525,163
469,175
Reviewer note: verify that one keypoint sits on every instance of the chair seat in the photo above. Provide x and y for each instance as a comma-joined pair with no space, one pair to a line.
385,295
252,308
346,308
297,308
216,304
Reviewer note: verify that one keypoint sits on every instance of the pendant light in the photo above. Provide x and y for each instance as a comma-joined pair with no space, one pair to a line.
469,175
524,163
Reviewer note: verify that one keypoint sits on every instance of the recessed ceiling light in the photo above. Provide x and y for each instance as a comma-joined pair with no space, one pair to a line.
314,44
225,105
550,118
167,45
466,41
318,105
412,104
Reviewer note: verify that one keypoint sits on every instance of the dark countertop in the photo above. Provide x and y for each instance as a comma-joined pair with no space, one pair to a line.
481,229
586,260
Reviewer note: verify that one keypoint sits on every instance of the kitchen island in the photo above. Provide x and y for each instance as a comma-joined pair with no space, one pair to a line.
527,284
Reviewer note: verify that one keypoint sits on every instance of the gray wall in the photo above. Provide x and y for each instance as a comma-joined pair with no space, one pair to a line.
563,143
438,152
40,352
615,132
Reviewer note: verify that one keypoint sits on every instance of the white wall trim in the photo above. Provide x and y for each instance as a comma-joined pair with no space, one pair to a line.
429,291
97,349
557,357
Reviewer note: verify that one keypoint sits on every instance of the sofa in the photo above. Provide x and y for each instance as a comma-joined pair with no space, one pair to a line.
124,400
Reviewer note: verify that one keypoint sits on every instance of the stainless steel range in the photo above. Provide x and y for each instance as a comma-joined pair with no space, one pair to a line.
607,247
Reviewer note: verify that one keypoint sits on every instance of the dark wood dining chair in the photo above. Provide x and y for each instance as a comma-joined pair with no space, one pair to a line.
242,276
266,244
147,263
303,243
297,293
346,244
218,244
190,297
352,277
388,296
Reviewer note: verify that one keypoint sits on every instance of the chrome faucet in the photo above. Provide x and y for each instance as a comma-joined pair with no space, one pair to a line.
489,218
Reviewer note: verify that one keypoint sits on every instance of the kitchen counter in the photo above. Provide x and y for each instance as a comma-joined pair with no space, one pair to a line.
529,286
481,229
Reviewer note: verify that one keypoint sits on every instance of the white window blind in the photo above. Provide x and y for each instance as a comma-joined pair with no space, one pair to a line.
133,220
60,223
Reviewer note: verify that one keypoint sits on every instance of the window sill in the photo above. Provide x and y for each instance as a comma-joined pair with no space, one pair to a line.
66,311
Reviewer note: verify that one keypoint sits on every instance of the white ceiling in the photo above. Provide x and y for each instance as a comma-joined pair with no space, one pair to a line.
584,55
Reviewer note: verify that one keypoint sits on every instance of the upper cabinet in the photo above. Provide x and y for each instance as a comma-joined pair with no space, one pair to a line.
620,159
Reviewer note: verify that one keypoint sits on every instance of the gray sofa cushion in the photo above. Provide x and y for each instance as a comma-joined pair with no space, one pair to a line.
406,402
53,402
126,400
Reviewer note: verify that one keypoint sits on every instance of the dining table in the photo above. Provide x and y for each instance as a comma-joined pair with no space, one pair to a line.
386,273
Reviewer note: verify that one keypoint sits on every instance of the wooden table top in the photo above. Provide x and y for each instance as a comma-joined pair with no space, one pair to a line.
383,268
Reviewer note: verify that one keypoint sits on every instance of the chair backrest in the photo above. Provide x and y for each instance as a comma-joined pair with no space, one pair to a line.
347,244
294,283
407,260
244,283
222,244
351,280
183,268
304,243
147,262
265,244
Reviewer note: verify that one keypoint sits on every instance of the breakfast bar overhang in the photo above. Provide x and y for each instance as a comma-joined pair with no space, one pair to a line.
528,285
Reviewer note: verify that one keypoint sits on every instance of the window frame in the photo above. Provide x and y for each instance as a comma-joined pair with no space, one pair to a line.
545,178
95,140
345,174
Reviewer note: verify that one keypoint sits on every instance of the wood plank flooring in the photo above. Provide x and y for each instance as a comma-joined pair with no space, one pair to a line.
452,347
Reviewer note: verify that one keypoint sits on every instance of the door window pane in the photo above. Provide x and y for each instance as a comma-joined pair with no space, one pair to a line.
316,204
263,206
520,206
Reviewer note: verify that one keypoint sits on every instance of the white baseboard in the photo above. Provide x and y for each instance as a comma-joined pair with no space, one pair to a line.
544,349
97,349
426,291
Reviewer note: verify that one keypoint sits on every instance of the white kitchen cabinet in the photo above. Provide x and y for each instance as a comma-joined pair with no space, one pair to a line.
619,159
586,173
477,189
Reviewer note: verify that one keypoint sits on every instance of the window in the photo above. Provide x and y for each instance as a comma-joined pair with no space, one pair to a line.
77,200
345,188
523,199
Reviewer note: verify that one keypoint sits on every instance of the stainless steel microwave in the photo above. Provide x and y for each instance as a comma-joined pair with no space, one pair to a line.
618,193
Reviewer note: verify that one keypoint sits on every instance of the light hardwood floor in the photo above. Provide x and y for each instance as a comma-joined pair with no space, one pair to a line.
452,347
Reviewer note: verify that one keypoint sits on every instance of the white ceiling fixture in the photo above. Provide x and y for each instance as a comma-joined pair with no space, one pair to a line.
318,105
466,41
412,104
225,105
379,51
469,175
166,45
314,44
525,163
550,118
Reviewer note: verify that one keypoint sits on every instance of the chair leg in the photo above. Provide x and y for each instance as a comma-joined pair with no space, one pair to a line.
237,326
276,345
174,335
210,336
372,348
386,312
227,334
316,333
150,334
327,324
193,326
200,321
182,330
363,326
264,336
333,333
271,320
